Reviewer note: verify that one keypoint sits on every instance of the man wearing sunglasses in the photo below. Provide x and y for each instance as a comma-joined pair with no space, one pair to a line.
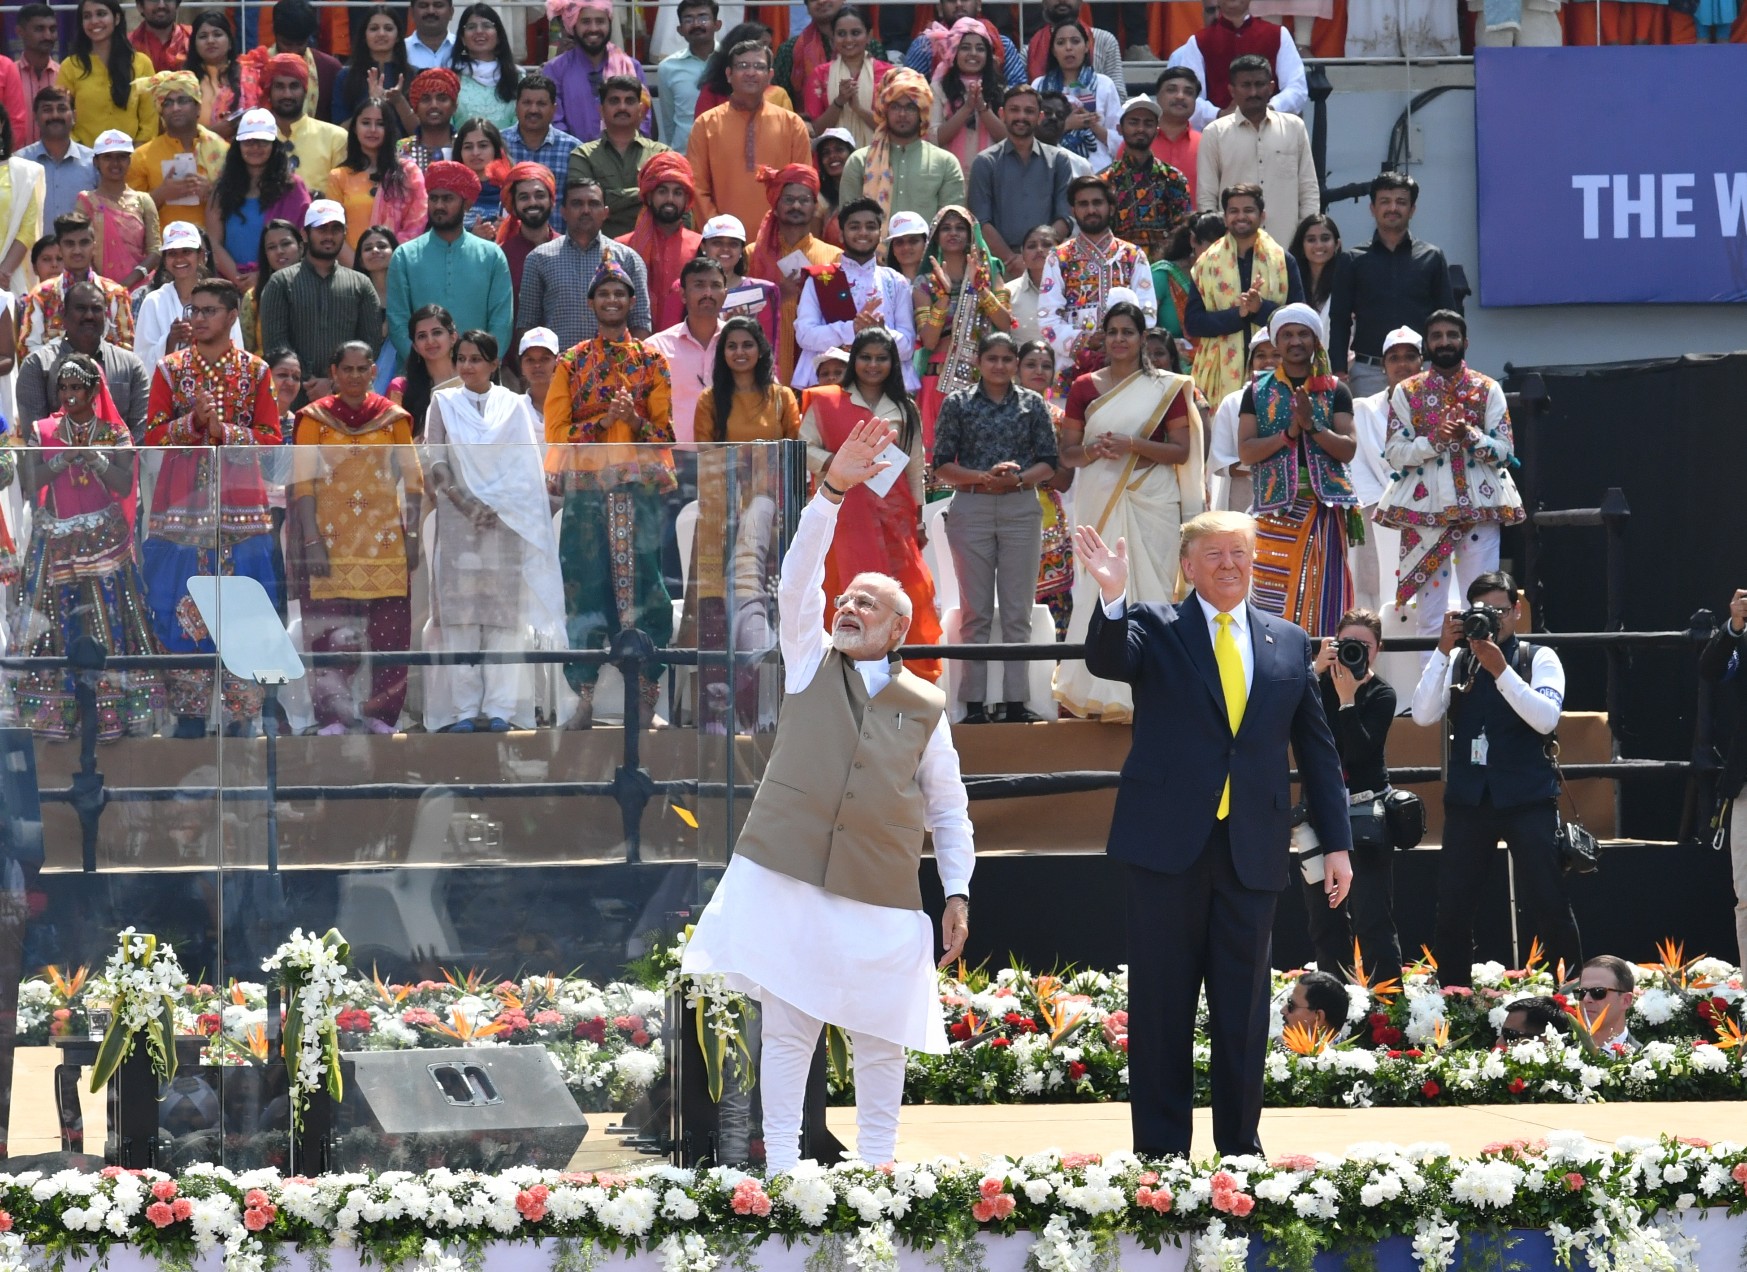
819,915
1604,993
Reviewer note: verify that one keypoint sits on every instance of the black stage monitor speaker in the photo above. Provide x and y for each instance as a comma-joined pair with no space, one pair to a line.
459,1107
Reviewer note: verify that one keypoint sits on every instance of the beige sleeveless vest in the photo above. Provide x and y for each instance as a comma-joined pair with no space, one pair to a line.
839,806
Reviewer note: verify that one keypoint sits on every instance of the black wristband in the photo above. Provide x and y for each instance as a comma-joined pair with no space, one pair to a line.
959,896
825,485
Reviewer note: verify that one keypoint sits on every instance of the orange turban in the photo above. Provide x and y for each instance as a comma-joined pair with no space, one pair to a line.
667,166
288,64
665,254
774,179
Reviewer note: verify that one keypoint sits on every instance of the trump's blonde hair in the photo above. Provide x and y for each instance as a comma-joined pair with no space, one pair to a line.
1216,522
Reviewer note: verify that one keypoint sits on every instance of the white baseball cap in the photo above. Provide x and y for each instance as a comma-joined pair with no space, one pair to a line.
180,236
323,212
904,224
257,125
724,227
539,338
1403,336
1140,102
112,141
835,354
836,134
1262,337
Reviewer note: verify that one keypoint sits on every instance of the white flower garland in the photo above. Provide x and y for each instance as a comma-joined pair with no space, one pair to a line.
141,982
314,973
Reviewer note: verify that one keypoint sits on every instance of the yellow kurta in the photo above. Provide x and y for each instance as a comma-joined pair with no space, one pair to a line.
354,477
93,110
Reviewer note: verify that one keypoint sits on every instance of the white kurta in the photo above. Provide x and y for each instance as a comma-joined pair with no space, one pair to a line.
865,968
813,335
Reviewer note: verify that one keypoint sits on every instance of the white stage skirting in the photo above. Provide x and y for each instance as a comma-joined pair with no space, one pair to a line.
1722,1239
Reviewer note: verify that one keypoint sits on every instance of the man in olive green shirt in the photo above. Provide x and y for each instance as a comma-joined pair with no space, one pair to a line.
925,178
616,157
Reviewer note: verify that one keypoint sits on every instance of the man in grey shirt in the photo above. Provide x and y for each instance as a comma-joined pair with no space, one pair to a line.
87,313
1020,183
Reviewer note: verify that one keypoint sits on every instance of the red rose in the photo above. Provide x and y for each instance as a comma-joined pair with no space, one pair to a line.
1518,1086
640,1038
1430,1089
1000,1042
593,1029
960,1030
1389,1036
355,1020
1076,1070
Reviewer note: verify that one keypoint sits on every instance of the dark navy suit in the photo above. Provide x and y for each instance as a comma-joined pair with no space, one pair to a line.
1201,890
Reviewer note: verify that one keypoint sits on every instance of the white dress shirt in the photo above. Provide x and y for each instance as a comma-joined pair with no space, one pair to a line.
1240,630
1538,702
897,314
1369,468
1294,92
866,968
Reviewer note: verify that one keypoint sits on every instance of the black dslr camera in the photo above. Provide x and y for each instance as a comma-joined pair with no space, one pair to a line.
1354,655
1481,622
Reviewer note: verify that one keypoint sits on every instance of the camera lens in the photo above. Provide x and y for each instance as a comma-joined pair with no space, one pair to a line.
1354,655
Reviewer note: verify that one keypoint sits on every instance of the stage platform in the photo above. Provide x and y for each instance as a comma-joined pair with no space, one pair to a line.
935,1130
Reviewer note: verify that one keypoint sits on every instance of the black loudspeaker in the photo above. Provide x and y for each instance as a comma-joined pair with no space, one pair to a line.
482,1109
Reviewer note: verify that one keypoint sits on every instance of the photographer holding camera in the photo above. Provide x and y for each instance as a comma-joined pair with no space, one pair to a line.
1359,705
1503,698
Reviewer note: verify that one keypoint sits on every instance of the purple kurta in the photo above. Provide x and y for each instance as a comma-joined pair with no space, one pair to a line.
578,80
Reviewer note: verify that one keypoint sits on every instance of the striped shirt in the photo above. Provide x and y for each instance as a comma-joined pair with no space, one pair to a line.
555,283
314,315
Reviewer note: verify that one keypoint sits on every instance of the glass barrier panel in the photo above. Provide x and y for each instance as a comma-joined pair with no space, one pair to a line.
452,774
110,815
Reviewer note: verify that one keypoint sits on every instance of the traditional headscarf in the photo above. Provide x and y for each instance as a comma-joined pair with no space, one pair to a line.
1298,314
1295,314
900,84
564,12
455,178
291,64
166,84
762,263
509,223
436,79
611,271
665,254
946,41
980,286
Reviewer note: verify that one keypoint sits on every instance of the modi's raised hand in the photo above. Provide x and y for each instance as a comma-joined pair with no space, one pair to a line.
1108,567
857,460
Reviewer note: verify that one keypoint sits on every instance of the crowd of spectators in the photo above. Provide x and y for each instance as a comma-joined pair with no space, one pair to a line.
367,245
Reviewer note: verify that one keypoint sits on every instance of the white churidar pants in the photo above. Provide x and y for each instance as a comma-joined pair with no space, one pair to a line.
790,1038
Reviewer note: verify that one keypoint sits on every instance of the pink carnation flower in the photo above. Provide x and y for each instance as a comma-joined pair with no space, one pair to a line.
159,1213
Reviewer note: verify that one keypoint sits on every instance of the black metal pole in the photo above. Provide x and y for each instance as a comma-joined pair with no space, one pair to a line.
270,725
86,657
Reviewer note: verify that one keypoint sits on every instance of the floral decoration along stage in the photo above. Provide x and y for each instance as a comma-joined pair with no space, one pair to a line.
1021,1037
1635,1207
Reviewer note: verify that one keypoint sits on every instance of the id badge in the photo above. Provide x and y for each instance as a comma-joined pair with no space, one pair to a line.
1477,751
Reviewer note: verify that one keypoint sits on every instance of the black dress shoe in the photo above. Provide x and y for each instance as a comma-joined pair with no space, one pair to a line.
1019,713
974,714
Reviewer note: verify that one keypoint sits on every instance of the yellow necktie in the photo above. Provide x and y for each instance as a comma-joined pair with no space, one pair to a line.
1231,679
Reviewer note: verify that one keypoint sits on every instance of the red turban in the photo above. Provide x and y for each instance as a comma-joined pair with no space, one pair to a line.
667,166
665,254
509,223
455,178
435,80
288,64
775,179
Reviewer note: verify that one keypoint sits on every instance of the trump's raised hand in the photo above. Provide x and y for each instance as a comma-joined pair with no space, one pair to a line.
1107,566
